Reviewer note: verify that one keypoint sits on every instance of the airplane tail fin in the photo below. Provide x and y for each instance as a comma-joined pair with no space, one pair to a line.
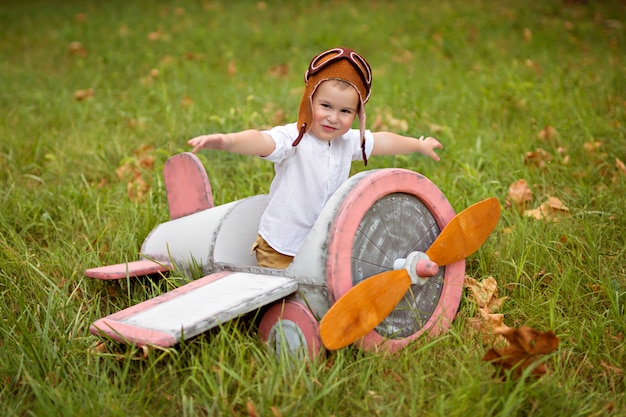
187,185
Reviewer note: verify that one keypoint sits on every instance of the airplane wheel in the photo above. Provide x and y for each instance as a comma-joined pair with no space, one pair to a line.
289,327
386,215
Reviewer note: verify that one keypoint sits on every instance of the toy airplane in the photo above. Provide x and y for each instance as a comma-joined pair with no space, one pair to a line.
381,224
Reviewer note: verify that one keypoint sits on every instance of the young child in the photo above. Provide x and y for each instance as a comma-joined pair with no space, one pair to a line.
313,156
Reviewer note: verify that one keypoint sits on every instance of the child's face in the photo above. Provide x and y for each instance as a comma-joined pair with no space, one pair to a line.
335,106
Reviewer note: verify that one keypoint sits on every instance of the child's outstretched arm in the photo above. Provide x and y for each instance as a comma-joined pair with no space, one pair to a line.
388,143
248,142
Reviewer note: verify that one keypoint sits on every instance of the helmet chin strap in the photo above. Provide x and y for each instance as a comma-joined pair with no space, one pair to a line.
363,151
301,133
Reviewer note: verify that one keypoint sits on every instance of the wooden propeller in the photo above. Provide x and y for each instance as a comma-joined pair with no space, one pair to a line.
367,304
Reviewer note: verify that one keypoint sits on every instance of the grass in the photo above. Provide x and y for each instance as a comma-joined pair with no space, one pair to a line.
486,78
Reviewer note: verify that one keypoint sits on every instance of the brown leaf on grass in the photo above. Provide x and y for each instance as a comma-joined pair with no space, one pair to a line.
251,408
81,95
123,31
562,151
77,49
192,56
435,128
485,293
542,277
551,210
157,35
387,121
406,57
526,345
487,324
186,101
275,114
145,351
167,60
98,347
528,35
539,158
519,195
394,375
279,71
591,147
620,171
149,79
137,172
232,67
556,204
548,133
612,369
617,338
279,117
534,65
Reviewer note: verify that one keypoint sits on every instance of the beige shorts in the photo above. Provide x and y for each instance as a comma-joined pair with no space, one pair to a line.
267,256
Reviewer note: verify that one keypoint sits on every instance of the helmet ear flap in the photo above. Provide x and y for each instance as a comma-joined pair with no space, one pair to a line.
305,112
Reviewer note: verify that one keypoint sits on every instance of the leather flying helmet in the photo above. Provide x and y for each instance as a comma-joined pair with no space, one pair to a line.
335,64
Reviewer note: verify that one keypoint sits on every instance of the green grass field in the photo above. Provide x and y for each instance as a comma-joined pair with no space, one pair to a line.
515,90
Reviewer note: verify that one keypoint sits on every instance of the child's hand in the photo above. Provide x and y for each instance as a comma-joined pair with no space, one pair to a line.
429,145
215,141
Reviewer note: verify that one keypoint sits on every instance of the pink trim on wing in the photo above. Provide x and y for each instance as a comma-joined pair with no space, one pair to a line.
128,269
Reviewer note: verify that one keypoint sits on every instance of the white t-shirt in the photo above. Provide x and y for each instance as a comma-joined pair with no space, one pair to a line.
306,176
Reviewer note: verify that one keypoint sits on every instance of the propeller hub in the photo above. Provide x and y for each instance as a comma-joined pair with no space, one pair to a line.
418,265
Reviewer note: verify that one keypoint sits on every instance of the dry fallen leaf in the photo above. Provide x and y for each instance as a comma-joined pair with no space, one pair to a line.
551,210
158,35
149,79
485,293
251,408
562,151
387,121
548,133
137,172
556,204
539,158
232,67
279,71
487,324
528,35
80,95
77,49
534,65
620,171
404,58
519,195
591,147
98,347
186,101
526,345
